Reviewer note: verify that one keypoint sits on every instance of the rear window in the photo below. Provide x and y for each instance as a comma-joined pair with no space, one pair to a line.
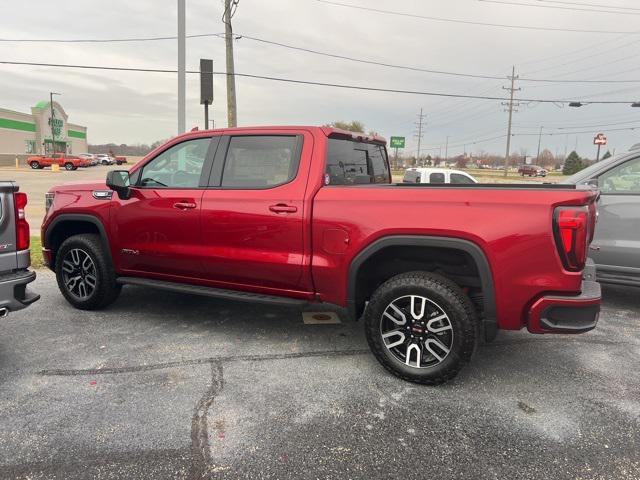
350,162
458,178
436,177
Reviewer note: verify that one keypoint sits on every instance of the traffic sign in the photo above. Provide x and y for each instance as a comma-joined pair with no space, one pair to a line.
396,142
600,139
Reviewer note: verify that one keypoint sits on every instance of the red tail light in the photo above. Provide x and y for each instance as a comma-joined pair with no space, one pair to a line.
572,227
22,226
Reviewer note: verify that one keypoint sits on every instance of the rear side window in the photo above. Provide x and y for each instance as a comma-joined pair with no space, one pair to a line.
457,178
436,177
411,176
260,161
350,162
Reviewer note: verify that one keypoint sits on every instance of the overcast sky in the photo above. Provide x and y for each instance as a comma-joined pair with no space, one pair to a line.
124,107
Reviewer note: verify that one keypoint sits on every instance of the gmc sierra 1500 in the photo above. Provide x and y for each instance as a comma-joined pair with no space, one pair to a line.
310,214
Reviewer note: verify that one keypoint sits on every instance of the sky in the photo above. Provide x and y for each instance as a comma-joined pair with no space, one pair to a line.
128,107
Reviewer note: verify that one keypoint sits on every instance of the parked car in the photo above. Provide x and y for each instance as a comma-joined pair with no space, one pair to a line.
532,171
15,257
90,157
105,159
437,175
616,245
68,162
120,160
297,215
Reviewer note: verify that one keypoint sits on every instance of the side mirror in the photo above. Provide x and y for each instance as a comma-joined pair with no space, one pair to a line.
118,181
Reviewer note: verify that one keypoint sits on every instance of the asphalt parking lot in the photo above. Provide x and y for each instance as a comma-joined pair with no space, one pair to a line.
163,385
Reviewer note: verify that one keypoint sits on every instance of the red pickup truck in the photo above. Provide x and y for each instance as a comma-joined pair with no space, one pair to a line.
296,215
68,162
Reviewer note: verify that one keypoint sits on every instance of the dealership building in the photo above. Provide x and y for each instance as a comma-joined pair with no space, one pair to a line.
44,130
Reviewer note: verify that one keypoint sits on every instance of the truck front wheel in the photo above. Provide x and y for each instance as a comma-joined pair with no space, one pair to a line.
421,327
69,166
34,165
85,276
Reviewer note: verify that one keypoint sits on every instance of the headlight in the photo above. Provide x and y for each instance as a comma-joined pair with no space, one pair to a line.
48,200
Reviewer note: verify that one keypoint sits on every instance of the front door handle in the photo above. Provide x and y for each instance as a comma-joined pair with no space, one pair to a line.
184,205
282,208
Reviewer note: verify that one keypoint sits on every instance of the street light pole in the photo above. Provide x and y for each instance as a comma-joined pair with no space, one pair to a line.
53,132
181,67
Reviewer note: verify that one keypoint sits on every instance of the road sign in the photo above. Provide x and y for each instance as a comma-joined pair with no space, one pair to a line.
396,142
600,139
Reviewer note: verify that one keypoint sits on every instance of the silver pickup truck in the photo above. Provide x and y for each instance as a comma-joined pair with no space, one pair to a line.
15,257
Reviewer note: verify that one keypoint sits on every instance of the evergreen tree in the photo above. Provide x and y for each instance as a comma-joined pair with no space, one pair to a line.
572,164
606,155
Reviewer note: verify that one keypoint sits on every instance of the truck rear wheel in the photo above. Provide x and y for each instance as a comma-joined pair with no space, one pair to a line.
85,276
421,327
34,165
69,166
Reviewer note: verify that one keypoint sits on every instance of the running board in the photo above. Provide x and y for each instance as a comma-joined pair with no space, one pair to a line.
212,292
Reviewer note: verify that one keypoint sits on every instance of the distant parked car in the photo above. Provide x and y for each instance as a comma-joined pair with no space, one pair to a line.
68,162
120,160
616,244
90,157
105,159
437,175
532,171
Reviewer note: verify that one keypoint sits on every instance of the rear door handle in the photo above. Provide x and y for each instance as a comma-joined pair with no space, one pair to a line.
184,205
282,208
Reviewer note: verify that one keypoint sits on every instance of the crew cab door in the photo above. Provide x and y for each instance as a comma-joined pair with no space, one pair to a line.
157,230
253,211
616,244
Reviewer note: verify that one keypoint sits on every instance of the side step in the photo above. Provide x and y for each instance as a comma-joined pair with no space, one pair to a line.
212,292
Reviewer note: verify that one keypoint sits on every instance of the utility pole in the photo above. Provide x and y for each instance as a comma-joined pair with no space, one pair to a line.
181,67
232,114
539,140
446,150
53,132
510,105
418,134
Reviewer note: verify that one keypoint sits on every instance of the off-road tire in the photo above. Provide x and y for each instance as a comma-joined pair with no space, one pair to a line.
106,290
454,302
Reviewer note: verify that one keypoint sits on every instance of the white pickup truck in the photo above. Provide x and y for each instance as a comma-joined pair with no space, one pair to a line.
15,257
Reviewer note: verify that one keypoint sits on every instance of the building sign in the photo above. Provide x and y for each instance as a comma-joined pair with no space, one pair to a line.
58,124
396,142
600,139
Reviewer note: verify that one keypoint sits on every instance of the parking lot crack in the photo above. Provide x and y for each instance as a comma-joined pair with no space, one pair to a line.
200,452
198,361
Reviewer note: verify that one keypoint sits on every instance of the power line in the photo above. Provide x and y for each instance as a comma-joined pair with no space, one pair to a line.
325,54
322,84
582,4
557,7
469,22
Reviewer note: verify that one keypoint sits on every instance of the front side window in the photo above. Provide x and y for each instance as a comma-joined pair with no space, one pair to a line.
624,178
436,177
459,178
260,161
350,162
180,166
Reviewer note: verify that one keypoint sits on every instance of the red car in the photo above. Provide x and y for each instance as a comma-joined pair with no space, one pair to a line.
296,215
532,171
68,162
